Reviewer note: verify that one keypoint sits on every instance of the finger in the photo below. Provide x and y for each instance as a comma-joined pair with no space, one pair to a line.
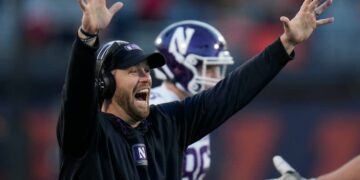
319,10
285,22
116,7
281,165
96,1
325,21
313,5
305,4
82,4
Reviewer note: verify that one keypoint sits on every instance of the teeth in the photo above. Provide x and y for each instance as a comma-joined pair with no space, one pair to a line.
142,95
144,91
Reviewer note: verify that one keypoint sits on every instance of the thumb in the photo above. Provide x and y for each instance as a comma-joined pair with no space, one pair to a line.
116,7
285,21
281,165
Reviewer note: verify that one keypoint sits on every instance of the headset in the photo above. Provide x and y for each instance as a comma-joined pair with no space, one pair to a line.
104,80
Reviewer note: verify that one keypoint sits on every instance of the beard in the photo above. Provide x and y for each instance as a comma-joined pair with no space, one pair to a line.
128,102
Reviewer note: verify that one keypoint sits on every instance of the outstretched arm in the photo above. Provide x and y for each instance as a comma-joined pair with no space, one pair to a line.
77,122
300,28
207,110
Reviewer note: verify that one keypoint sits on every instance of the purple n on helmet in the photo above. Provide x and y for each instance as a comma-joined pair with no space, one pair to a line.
187,46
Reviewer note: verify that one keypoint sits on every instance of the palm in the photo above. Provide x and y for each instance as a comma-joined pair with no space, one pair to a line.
301,27
304,23
96,16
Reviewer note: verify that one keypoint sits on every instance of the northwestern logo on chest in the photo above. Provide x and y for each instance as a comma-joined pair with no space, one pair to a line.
180,42
139,154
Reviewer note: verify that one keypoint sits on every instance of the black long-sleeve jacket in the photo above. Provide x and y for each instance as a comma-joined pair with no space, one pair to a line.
100,146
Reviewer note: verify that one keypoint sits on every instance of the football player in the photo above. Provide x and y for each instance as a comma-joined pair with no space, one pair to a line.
197,58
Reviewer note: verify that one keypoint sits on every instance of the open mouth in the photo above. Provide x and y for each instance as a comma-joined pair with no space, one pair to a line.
142,95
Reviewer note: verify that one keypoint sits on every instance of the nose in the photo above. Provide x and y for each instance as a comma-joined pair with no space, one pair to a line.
144,76
212,73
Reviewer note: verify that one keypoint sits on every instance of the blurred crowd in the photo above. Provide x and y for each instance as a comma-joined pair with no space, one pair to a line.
36,37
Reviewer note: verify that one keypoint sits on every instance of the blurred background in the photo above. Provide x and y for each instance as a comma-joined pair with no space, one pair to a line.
309,114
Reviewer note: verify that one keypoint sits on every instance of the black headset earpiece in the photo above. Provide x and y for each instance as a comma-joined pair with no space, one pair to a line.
109,84
105,82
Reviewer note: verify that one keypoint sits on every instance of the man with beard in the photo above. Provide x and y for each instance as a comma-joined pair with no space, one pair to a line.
106,128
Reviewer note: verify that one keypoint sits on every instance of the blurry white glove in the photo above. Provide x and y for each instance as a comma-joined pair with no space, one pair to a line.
287,172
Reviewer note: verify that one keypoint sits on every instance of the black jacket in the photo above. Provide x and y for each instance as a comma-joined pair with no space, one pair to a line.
100,146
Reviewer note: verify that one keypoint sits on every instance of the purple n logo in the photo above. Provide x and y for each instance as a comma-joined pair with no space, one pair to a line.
139,154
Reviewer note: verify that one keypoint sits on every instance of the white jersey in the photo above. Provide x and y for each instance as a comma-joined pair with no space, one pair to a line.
197,155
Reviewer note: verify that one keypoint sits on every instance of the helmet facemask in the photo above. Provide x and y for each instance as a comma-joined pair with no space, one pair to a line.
191,48
207,71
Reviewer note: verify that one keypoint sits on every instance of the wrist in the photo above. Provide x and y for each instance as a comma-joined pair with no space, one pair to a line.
86,33
288,45
86,37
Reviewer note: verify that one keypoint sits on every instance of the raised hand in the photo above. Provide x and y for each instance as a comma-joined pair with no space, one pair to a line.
96,15
300,28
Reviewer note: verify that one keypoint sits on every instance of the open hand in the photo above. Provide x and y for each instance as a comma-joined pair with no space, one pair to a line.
96,16
299,29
